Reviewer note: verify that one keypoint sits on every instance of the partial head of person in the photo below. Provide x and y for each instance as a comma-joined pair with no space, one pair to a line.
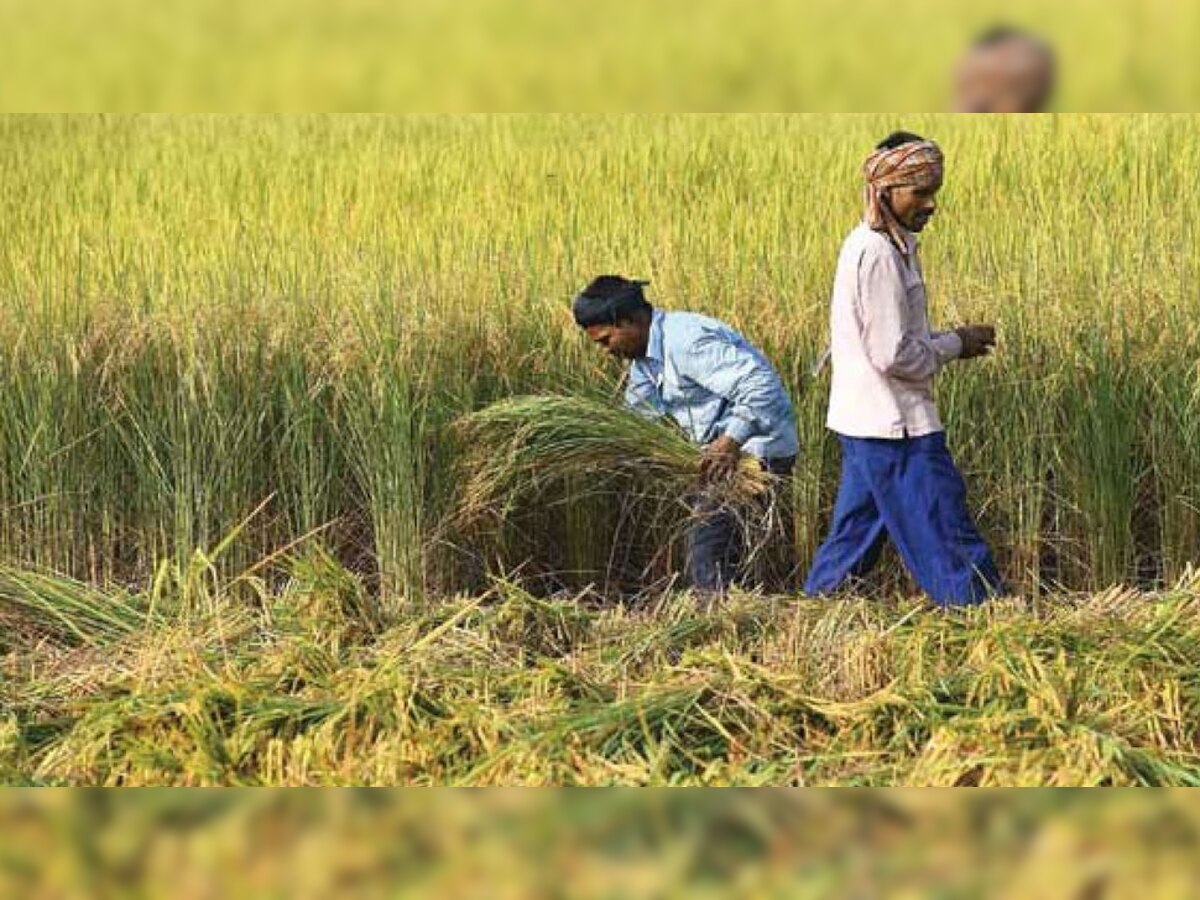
1005,70
614,312
903,176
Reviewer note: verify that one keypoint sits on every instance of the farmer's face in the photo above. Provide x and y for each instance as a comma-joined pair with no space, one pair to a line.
1014,76
914,206
625,340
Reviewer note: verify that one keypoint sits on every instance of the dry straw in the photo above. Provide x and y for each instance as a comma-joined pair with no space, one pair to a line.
554,449
519,447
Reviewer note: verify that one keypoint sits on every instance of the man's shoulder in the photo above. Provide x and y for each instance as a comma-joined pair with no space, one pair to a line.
688,333
865,242
866,249
683,326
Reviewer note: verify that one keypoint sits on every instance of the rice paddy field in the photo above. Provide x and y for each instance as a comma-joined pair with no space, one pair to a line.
236,354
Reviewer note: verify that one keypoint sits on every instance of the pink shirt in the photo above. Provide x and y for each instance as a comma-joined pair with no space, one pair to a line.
884,355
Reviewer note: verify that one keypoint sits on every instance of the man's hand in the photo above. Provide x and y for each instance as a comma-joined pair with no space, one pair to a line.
977,340
719,460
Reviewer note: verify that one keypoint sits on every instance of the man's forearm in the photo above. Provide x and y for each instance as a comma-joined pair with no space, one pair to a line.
947,344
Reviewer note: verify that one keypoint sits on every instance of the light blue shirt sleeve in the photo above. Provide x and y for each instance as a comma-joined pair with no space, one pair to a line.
733,371
641,394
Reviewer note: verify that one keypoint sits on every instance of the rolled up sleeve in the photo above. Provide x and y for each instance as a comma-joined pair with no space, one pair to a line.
891,348
640,393
947,344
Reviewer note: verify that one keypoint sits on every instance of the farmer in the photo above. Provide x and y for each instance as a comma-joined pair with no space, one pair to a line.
898,479
715,384
1006,70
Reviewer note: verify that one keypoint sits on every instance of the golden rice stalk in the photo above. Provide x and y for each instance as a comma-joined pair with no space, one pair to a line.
519,448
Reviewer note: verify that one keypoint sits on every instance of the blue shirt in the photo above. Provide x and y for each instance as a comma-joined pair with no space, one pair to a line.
713,382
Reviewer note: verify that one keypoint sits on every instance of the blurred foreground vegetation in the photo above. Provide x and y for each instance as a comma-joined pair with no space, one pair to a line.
519,844
572,56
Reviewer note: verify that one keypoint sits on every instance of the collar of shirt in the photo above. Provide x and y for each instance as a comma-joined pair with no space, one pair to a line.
653,360
910,238
654,347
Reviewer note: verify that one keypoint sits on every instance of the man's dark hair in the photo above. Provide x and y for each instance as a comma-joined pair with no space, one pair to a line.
999,34
898,139
606,287
609,300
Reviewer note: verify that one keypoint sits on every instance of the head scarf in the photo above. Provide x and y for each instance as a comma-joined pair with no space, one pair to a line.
614,305
915,164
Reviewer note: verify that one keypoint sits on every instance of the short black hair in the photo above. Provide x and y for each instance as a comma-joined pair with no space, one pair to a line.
999,34
610,300
605,287
898,139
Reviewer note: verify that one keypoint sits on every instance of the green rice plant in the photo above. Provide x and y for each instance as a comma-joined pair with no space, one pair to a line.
201,313
384,421
1173,451
44,607
1103,459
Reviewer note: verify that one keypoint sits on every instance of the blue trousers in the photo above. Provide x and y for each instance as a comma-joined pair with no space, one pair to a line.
714,548
911,491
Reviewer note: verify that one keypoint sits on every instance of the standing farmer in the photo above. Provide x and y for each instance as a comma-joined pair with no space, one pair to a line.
716,385
898,479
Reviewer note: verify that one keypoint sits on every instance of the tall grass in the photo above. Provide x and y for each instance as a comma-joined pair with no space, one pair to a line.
200,315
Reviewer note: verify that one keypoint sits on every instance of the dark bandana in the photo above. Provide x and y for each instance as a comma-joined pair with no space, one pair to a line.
590,310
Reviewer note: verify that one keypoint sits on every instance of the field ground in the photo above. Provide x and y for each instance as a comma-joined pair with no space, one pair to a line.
189,685
277,321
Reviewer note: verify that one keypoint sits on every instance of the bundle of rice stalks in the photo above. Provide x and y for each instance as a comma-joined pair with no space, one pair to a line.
532,453
42,606
525,448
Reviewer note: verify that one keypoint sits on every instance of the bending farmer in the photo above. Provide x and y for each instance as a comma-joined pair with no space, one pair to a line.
719,388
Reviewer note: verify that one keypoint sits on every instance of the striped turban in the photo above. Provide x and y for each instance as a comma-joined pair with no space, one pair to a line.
915,164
